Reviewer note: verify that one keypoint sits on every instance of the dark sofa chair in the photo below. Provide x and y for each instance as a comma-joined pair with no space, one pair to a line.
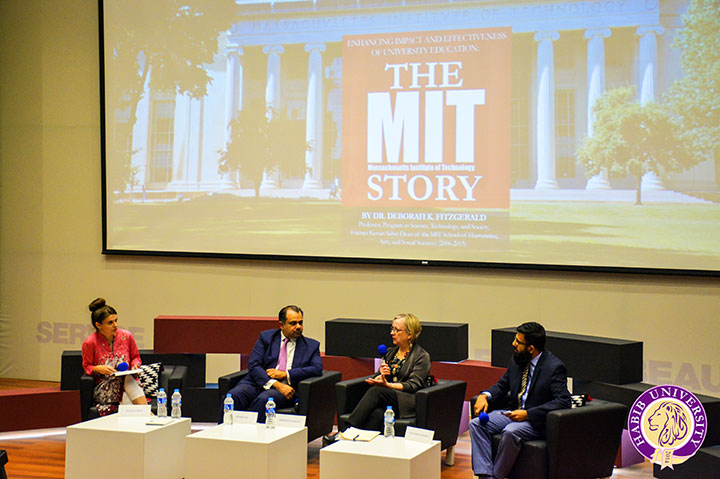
179,372
438,408
3,461
171,378
581,443
316,400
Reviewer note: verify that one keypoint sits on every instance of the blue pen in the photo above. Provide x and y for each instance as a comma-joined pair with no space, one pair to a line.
357,436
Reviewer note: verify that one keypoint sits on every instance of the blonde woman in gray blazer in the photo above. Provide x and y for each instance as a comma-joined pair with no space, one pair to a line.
404,370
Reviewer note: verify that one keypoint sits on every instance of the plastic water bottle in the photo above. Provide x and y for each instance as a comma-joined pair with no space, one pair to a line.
162,403
389,422
228,406
176,404
270,413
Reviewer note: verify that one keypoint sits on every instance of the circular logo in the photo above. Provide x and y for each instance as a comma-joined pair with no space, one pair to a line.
667,425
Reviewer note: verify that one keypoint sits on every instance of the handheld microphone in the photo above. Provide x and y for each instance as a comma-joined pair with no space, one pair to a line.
382,349
123,366
483,418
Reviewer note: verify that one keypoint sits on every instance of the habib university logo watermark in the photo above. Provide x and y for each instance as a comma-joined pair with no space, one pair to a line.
667,425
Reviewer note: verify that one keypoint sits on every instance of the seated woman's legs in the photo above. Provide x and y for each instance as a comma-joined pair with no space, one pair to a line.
371,407
376,420
132,392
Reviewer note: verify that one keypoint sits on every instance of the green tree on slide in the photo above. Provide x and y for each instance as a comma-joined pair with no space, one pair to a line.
168,50
694,99
632,139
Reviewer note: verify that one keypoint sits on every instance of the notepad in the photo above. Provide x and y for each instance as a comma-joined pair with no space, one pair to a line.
126,372
355,434
159,421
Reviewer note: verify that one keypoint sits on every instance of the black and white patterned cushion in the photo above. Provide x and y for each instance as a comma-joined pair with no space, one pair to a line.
149,379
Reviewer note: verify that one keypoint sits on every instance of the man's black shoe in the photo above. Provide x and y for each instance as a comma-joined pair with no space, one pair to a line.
328,439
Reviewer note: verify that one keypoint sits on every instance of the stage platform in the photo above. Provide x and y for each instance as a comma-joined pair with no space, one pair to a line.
41,453
38,407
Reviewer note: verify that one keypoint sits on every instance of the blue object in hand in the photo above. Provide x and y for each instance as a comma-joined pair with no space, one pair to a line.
483,418
382,349
123,366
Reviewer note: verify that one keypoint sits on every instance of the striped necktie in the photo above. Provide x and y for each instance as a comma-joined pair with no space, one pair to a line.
523,385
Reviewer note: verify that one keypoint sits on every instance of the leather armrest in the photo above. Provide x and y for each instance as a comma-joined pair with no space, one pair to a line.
439,408
178,378
87,386
323,385
349,393
588,435
444,394
229,381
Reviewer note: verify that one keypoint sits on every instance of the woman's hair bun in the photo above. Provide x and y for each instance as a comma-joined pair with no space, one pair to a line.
97,304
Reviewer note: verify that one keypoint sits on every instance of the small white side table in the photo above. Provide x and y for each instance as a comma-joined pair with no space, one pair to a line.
396,457
116,447
247,450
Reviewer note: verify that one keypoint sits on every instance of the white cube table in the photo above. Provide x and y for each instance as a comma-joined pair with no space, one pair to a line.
396,457
116,447
247,451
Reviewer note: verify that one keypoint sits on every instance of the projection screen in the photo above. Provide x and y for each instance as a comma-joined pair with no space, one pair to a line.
538,133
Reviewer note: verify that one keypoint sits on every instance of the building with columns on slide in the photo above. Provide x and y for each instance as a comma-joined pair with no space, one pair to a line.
288,54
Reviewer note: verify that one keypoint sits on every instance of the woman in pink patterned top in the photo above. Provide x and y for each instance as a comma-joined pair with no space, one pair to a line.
102,352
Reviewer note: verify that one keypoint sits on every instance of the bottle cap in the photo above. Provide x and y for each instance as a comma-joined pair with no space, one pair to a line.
162,389
389,407
228,395
177,390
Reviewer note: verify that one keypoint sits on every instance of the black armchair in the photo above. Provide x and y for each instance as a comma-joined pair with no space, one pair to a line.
189,379
581,443
438,408
3,461
316,400
171,378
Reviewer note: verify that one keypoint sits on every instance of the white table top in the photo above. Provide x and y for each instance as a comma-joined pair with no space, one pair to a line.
397,447
256,433
115,422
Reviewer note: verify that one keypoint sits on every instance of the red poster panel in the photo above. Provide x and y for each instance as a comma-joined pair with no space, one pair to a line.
426,119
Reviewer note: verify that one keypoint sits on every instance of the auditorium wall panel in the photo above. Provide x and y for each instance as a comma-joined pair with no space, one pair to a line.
51,264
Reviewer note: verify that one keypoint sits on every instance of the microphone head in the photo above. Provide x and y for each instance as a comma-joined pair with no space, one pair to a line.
483,418
123,366
382,349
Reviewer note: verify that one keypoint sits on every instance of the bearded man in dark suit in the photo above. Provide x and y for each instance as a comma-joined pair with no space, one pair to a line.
280,359
534,384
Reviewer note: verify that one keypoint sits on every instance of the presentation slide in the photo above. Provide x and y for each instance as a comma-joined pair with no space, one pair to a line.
535,133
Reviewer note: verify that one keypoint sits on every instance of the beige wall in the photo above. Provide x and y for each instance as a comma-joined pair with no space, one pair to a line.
50,240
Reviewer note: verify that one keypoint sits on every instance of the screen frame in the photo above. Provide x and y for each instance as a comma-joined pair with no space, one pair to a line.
418,263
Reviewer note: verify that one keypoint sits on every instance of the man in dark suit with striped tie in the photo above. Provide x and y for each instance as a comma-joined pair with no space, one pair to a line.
534,384
280,359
